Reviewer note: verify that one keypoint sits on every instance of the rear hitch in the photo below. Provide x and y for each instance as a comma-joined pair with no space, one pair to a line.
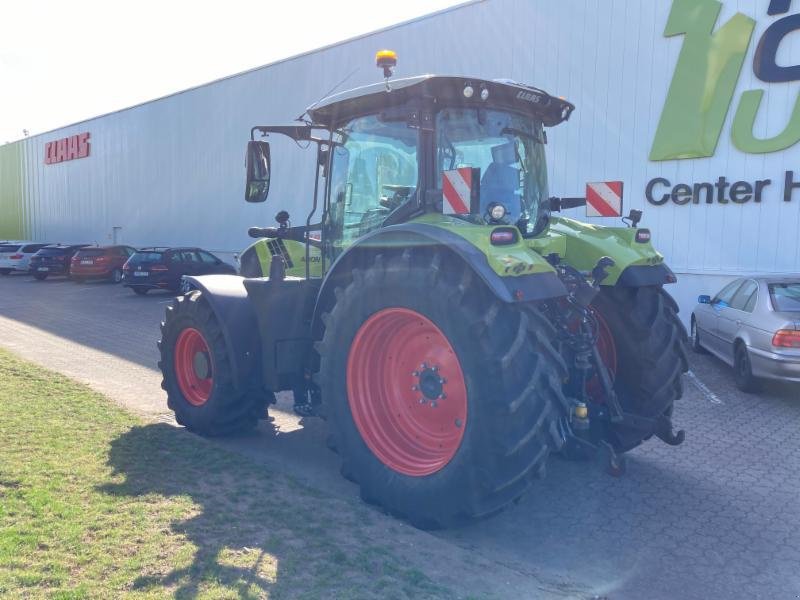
616,465
665,434
612,463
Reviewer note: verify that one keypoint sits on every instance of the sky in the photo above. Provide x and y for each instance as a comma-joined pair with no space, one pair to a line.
65,61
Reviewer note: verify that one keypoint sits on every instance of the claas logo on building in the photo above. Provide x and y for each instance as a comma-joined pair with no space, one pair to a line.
68,148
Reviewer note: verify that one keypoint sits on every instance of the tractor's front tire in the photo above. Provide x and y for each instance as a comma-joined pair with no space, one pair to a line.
197,372
651,355
443,402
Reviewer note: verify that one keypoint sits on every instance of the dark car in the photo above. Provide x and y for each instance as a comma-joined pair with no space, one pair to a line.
105,262
163,268
54,259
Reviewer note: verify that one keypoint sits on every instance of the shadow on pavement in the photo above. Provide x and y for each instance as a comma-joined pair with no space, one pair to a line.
100,315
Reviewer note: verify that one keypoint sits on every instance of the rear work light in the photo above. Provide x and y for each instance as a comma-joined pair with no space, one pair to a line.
643,236
503,237
786,338
158,268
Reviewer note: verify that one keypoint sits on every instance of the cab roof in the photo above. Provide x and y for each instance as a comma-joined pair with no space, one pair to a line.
448,90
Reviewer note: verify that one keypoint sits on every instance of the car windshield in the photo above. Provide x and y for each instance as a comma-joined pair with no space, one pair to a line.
785,296
52,251
92,252
146,257
508,150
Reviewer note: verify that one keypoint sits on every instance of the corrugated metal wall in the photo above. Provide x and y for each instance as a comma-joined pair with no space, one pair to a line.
170,172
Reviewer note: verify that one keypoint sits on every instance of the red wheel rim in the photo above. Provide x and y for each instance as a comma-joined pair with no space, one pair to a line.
607,349
406,392
193,367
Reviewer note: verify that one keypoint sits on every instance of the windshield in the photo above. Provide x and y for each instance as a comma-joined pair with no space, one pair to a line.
785,296
141,257
508,150
52,251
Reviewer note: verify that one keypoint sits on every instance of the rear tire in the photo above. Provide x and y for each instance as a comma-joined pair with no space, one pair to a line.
206,403
743,370
501,371
40,276
5,271
116,275
652,356
140,290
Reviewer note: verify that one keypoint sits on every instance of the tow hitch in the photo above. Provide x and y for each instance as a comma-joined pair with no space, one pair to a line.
586,428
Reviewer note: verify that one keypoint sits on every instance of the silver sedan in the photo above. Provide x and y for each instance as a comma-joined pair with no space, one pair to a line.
753,324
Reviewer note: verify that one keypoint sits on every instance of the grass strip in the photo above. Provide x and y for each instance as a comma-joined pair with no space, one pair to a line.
96,503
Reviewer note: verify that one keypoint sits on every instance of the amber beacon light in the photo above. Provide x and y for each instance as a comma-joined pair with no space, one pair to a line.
386,60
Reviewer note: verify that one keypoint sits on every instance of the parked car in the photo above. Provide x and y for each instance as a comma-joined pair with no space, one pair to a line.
105,262
54,259
753,324
163,268
16,256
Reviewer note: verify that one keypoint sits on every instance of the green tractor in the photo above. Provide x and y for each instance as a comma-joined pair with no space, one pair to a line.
452,330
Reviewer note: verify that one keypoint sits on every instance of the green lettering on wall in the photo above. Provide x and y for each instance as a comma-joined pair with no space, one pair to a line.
704,81
745,118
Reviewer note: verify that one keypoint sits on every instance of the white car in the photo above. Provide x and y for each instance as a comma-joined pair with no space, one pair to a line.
15,256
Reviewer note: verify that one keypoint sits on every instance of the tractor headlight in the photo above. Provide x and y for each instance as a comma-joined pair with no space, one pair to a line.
497,211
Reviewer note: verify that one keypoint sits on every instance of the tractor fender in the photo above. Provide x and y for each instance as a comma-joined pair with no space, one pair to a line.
519,288
228,299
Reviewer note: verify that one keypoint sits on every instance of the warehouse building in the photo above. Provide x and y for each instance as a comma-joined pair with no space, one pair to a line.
692,104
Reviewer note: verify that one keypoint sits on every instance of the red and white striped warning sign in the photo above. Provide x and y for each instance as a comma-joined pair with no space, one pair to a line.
457,191
604,199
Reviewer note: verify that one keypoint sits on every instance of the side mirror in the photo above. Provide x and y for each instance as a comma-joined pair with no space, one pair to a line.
258,171
704,299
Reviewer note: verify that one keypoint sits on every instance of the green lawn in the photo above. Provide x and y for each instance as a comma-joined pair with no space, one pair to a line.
95,503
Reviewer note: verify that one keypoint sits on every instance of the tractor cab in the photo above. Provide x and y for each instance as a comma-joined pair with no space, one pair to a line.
464,148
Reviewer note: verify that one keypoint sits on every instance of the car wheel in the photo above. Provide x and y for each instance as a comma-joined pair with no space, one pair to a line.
696,339
5,271
140,290
40,276
116,275
743,371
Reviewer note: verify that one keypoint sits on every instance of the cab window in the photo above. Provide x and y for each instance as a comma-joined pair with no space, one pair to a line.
374,172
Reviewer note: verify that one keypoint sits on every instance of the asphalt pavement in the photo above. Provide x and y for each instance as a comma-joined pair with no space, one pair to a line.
714,518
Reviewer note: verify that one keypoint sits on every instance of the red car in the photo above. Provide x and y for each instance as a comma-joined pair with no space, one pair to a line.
104,262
